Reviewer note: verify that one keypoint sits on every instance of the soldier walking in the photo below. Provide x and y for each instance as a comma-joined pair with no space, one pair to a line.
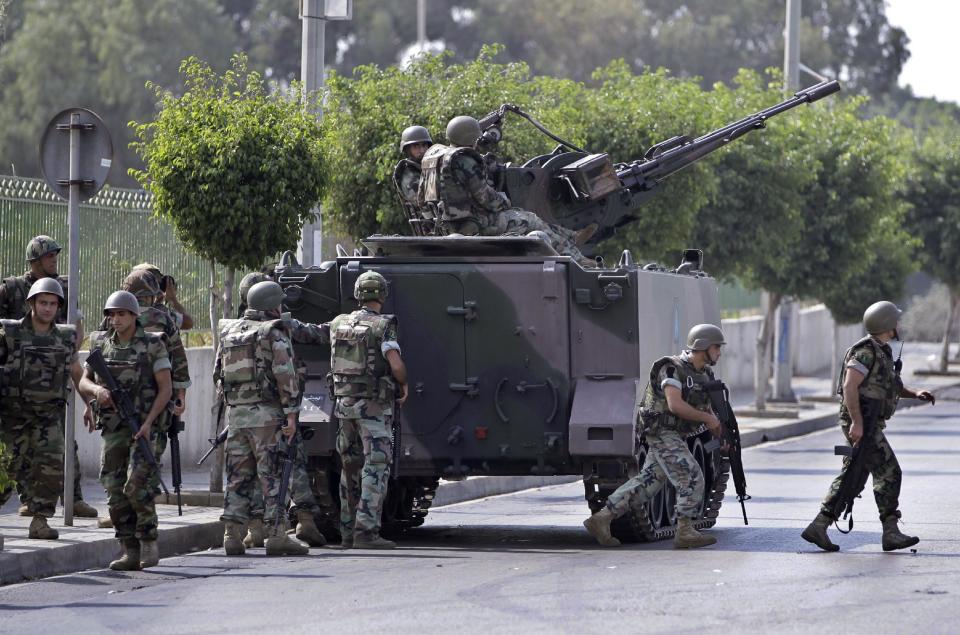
674,406
454,187
869,372
255,371
139,363
42,257
39,360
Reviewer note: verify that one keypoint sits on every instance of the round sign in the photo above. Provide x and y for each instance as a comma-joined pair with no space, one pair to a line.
95,150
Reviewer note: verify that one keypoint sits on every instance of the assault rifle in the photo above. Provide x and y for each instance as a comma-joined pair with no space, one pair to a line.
287,459
215,443
856,472
124,407
720,400
176,427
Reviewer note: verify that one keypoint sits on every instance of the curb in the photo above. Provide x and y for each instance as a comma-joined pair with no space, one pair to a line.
97,554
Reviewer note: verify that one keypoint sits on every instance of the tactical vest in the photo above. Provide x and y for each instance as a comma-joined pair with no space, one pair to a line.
882,381
357,364
132,369
243,364
17,288
440,194
654,413
37,371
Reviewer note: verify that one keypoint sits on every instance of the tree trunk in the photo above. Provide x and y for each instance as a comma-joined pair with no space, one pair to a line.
945,352
228,276
761,363
216,467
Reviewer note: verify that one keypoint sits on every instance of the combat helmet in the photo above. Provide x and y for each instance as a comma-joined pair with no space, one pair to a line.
370,285
265,296
122,300
414,134
40,246
463,131
142,283
881,316
46,285
248,281
703,336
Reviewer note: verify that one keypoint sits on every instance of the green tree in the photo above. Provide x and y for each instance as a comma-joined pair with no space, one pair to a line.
234,168
933,190
98,57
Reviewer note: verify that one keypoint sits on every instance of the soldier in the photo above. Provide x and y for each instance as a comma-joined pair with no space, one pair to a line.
414,142
366,369
168,296
301,491
39,359
673,407
454,188
869,372
255,371
139,363
42,256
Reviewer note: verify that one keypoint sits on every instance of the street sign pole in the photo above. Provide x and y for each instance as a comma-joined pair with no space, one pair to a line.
73,224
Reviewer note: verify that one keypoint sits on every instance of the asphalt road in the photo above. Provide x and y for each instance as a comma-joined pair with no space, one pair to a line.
522,563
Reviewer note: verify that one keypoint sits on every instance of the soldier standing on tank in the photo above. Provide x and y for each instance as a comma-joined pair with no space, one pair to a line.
255,371
42,256
673,407
369,380
869,371
414,143
301,491
38,360
454,187
139,363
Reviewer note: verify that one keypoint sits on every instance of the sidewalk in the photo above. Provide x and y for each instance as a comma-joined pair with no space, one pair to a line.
84,546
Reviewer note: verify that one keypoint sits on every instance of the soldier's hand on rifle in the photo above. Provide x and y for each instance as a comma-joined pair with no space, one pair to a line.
144,431
290,427
926,395
404,391
856,432
104,398
179,403
713,425
88,418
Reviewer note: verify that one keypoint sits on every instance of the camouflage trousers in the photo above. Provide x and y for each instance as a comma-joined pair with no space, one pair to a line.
251,457
131,483
883,466
365,446
77,494
667,458
519,222
301,492
34,444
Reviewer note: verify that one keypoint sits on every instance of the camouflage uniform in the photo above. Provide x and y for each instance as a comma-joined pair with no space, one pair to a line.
667,455
364,392
130,481
34,377
454,188
260,385
875,361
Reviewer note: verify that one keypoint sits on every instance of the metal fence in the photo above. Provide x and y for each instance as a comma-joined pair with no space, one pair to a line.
117,232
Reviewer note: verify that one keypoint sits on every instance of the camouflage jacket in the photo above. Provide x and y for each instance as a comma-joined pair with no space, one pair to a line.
255,370
133,365
359,370
679,372
881,380
13,297
35,371
454,185
157,320
406,180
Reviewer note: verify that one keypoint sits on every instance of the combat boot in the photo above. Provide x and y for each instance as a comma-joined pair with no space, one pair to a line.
232,544
816,532
40,530
892,538
599,527
346,540
255,534
24,510
149,554
105,523
688,537
375,542
130,560
83,509
278,543
307,530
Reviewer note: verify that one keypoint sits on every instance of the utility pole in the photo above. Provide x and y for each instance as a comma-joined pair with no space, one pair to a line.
421,25
791,49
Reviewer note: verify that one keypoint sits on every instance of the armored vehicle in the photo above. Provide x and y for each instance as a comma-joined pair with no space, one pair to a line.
522,362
